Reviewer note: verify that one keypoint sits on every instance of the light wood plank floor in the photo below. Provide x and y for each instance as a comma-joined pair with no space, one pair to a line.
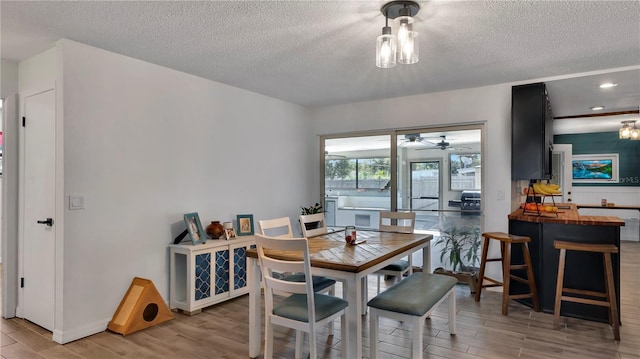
221,331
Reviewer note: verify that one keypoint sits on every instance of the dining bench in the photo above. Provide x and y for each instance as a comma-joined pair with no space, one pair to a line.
412,301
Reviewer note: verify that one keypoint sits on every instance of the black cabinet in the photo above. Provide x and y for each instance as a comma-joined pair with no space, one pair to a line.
531,132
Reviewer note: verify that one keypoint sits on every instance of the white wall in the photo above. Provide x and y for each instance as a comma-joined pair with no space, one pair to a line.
145,144
491,104
8,86
9,207
8,78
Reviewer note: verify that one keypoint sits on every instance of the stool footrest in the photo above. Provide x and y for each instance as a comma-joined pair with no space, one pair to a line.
493,260
491,285
521,296
584,292
496,282
519,279
518,266
601,303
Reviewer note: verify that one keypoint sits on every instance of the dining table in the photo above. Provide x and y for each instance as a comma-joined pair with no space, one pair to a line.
350,264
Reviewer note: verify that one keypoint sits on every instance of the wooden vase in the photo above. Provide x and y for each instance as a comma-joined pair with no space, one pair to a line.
215,230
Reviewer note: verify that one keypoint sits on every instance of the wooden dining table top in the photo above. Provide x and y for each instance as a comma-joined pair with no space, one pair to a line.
330,250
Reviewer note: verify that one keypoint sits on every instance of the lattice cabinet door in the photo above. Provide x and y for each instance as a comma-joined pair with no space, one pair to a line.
238,271
202,273
221,257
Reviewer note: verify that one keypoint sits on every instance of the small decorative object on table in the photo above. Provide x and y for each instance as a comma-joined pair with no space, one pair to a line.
245,224
350,234
215,230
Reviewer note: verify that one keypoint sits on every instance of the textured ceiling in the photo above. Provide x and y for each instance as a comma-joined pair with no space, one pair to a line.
318,53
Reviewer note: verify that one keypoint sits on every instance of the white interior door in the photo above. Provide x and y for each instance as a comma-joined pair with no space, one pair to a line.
38,242
562,170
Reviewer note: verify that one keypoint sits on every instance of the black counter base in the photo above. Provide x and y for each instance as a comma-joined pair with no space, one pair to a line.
583,270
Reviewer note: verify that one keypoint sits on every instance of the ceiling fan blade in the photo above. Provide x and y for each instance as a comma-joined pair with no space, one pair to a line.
330,156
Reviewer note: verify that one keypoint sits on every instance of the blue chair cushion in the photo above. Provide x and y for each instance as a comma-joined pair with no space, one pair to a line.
295,307
415,295
319,283
397,266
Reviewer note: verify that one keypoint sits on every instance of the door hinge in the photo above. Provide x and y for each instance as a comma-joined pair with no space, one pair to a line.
24,121
22,282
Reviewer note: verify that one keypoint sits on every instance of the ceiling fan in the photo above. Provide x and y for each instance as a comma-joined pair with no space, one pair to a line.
330,156
443,145
415,140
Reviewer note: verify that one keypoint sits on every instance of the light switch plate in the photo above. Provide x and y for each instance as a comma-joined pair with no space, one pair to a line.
76,202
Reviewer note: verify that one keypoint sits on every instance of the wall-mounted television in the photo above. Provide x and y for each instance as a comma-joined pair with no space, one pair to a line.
595,168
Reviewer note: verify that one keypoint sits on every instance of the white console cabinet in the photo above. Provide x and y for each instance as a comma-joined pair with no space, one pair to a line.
209,273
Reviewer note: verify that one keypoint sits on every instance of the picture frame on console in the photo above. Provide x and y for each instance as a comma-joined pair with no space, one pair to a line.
194,228
229,233
245,224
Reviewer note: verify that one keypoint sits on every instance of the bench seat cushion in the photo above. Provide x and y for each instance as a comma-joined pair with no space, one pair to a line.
415,295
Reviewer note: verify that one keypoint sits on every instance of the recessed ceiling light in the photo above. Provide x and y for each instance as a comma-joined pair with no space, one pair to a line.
607,85
597,108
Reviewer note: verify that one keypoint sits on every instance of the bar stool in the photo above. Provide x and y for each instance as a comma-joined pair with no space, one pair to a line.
609,294
505,249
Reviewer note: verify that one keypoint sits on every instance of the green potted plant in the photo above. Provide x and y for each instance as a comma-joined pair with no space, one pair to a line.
459,252
316,208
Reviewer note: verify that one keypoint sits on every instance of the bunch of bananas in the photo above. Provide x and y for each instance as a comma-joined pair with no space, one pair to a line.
546,188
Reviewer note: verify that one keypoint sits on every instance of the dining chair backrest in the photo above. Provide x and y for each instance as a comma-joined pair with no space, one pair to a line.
269,265
402,222
313,224
277,227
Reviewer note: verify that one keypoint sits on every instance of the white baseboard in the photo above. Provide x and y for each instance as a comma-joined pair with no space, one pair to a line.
79,333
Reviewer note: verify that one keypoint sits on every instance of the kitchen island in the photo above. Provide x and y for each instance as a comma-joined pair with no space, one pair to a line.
583,270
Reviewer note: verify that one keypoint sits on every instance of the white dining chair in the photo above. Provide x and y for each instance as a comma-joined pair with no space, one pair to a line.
281,228
313,224
304,310
401,222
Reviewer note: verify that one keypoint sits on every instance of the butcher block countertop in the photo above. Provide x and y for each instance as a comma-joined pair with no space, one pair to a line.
566,215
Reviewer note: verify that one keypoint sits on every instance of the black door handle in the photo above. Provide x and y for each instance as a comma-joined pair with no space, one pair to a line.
48,222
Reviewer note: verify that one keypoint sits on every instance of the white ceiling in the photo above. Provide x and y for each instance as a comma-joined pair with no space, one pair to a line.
318,53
